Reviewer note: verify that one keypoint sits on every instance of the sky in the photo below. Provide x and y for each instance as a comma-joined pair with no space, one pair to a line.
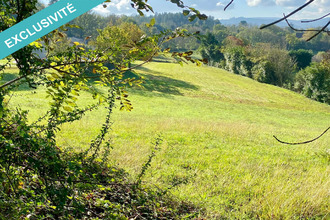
239,8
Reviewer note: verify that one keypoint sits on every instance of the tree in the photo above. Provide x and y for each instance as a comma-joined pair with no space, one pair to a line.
272,65
210,48
125,35
88,24
314,81
237,61
243,23
302,57
254,35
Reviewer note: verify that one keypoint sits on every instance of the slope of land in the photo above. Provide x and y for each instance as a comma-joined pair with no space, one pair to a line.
217,131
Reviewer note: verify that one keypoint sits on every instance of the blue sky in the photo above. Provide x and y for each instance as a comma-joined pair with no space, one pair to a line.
240,8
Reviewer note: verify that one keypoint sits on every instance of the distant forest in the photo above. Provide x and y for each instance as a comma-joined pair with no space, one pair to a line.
281,37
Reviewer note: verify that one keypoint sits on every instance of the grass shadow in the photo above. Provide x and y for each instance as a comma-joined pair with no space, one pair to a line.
162,59
6,77
163,85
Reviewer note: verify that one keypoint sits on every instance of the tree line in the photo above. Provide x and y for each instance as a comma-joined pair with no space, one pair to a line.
274,55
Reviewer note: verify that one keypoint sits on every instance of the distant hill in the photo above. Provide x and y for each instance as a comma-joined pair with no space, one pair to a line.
260,21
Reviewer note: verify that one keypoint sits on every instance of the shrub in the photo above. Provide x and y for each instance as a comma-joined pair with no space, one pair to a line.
40,180
314,82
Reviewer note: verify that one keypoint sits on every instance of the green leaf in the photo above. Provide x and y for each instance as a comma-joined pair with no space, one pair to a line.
202,16
140,12
192,18
186,12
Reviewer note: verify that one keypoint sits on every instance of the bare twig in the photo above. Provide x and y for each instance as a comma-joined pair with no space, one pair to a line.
292,13
305,142
317,19
295,29
228,5
318,31
323,29
12,81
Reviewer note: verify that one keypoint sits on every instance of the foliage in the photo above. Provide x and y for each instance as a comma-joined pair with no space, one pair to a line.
40,180
174,20
273,35
262,63
127,38
58,43
314,81
273,65
210,48
302,57
319,43
236,61
87,25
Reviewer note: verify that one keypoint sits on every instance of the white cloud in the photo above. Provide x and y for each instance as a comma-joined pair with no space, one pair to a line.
222,4
315,10
260,2
289,3
101,10
253,2
120,4
323,6
115,7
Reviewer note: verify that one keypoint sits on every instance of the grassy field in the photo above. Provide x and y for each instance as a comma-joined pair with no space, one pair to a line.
217,130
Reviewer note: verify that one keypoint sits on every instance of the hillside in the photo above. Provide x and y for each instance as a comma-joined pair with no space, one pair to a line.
217,131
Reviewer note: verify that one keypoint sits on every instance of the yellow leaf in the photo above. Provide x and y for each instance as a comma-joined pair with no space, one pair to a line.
67,108
36,44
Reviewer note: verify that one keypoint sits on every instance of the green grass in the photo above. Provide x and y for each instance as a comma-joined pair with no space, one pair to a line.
217,129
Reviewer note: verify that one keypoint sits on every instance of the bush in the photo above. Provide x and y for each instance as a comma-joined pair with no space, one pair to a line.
236,61
314,82
40,180
272,65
